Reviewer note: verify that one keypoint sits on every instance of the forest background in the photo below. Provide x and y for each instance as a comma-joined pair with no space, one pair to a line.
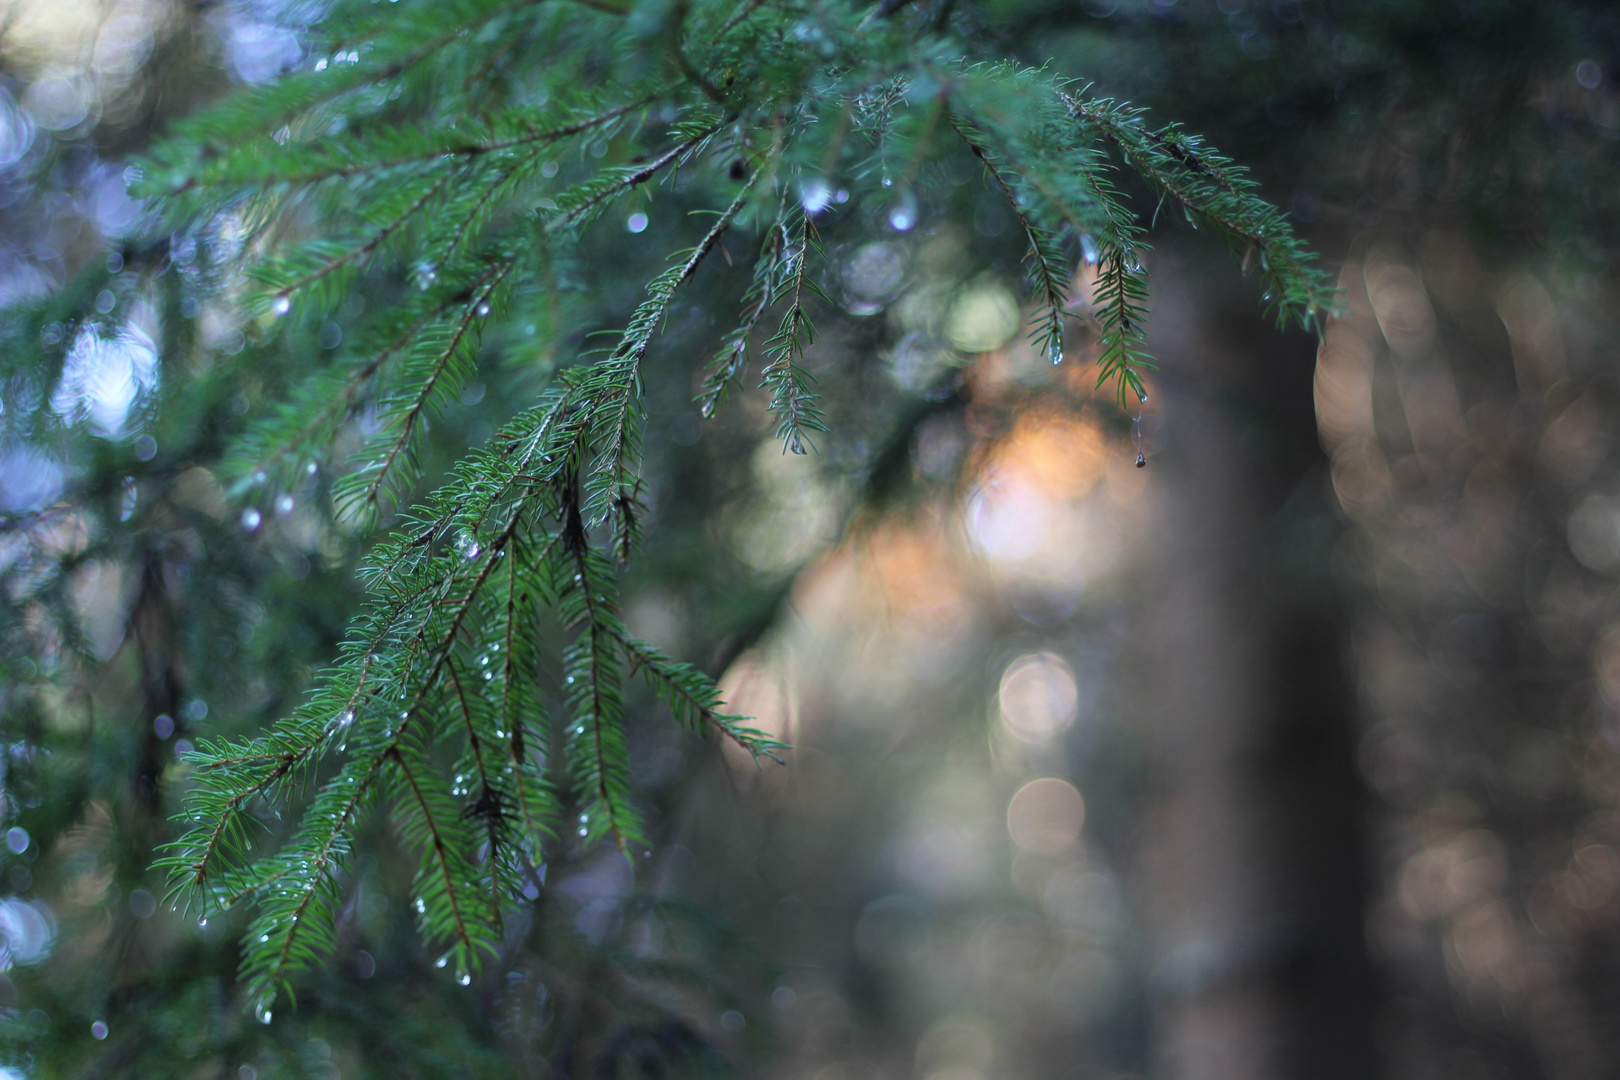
1290,754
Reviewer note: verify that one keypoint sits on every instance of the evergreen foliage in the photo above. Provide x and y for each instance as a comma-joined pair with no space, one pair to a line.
443,161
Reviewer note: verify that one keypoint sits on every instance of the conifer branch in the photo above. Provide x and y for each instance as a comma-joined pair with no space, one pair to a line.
793,403
694,700
366,500
1051,291
1208,186
727,365
440,850
435,207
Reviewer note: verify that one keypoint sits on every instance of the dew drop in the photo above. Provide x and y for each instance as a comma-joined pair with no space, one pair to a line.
251,519
903,214
582,830
815,195
483,309
1141,460
98,1029
1088,250
468,547
309,470
464,978
441,961
264,1015
1054,351
421,908
202,923
282,305
284,505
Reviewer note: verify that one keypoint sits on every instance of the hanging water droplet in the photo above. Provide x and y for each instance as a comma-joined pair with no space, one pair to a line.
282,305
421,908
1136,433
284,505
202,923
796,444
1141,394
815,195
251,519
582,830
569,680
1141,460
903,214
1088,250
441,961
1054,350
464,978
264,1014
426,274
309,470
467,546
483,309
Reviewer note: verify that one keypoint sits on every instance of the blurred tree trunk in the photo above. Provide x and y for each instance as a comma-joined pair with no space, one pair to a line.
1250,864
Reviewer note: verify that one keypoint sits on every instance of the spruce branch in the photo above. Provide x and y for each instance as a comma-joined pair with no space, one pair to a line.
416,178
612,484
793,403
1051,292
1209,187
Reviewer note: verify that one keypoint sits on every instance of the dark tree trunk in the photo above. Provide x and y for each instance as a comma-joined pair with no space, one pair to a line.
1251,871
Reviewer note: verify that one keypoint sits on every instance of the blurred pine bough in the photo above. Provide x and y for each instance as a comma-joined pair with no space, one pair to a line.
443,161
